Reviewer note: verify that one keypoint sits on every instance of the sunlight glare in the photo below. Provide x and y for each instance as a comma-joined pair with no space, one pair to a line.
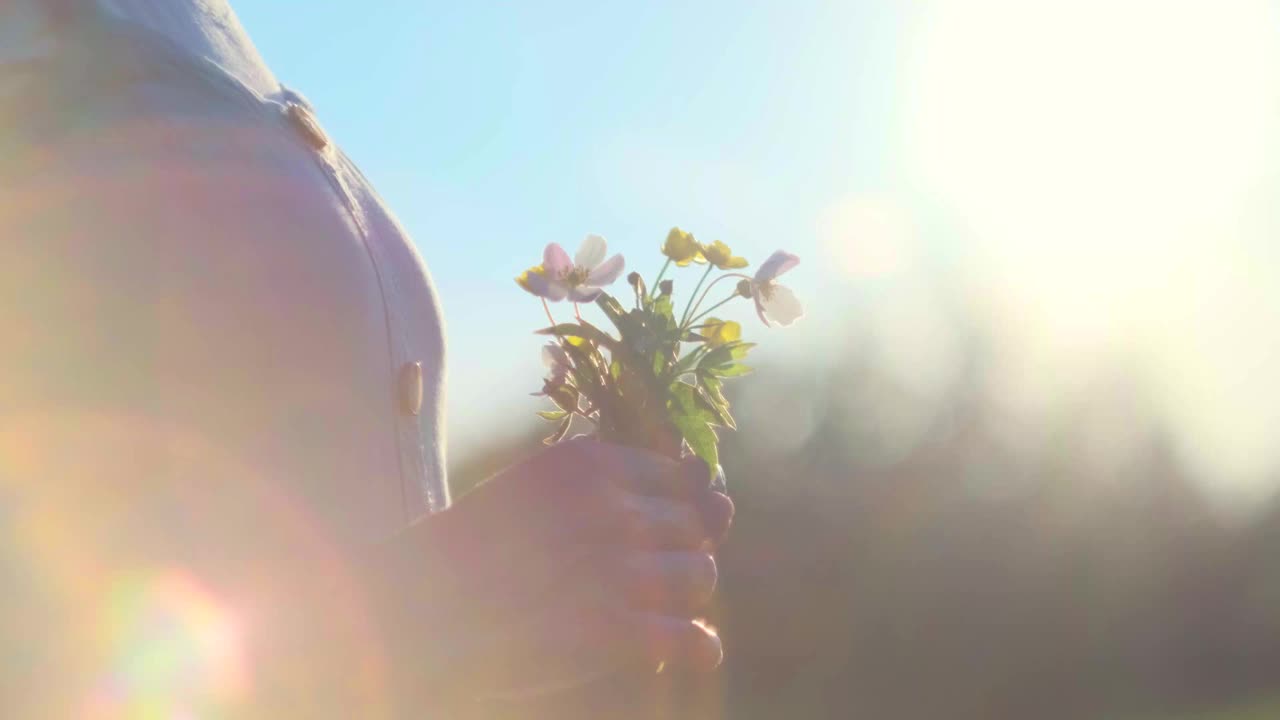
1107,162
867,235
1089,143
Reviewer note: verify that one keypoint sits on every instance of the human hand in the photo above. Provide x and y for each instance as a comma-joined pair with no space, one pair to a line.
587,558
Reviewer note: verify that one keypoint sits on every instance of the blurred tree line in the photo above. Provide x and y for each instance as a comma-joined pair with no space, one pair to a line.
969,572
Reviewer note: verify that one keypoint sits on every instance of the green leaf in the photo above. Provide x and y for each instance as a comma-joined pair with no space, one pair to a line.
583,330
725,354
611,308
663,308
687,363
638,324
714,388
585,369
687,402
717,356
663,324
565,397
730,370
720,412
634,355
552,415
560,432
700,437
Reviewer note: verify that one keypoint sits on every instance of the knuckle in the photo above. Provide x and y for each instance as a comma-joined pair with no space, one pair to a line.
706,572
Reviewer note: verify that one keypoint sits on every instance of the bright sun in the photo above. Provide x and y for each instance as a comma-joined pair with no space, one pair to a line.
1110,162
1088,142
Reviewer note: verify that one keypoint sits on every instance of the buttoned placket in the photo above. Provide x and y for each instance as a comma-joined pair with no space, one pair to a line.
406,372
94,54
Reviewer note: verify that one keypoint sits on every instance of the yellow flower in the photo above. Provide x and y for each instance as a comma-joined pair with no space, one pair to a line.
534,280
718,332
719,254
682,248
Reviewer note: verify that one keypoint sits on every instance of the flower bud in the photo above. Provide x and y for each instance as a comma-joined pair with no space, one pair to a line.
633,278
744,288
665,287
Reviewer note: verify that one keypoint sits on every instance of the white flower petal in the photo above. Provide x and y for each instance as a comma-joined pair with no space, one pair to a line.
778,263
556,261
782,306
584,294
607,272
760,307
591,252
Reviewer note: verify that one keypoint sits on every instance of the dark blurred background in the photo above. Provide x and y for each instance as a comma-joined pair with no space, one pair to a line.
968,576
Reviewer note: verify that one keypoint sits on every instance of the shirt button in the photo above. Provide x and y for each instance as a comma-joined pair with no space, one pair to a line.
307,126
411,388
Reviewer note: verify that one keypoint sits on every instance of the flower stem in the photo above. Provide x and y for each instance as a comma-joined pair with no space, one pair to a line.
706,292
653,291
689,307
547,308
711,309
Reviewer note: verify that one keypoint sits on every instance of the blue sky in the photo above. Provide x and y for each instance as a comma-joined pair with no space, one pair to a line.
494,128
1084,185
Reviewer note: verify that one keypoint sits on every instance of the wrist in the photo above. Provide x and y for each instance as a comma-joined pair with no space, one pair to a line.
316,646
409,584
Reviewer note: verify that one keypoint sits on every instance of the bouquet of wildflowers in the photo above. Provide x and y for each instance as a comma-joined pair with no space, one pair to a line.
656,381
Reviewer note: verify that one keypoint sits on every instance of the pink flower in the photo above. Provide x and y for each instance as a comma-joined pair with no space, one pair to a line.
580,280
776,302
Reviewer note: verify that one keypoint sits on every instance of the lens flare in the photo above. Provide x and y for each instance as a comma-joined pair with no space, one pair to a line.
170,647
129,611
